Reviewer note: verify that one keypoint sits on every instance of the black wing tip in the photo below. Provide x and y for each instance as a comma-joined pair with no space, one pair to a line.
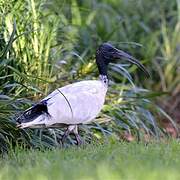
19,118
33,112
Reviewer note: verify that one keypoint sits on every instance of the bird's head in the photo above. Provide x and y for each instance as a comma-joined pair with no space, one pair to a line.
107,53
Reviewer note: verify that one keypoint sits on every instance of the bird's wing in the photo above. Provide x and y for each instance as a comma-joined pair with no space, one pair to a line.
72,104
91,86
76,103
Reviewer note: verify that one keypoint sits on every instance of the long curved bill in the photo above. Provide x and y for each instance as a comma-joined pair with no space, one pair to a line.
121,54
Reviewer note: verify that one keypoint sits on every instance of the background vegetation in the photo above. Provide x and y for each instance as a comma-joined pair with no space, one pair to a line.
47,44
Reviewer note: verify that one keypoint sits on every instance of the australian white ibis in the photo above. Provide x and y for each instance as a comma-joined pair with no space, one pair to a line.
77,103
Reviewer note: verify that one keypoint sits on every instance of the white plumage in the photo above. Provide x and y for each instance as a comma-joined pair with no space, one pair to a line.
84,100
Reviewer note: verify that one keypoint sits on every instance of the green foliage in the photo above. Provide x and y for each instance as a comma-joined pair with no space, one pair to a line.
31,45
48,44
9,134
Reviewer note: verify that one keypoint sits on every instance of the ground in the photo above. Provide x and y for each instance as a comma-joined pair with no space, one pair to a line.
136,161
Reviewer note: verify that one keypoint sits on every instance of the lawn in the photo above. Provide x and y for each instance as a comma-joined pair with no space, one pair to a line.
108,161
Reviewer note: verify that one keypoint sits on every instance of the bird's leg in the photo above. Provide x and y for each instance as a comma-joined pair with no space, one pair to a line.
67,132
77,136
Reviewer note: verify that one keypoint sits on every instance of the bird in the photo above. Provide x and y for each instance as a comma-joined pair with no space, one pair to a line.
76,103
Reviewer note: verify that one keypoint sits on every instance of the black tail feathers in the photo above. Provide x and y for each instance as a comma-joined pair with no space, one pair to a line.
33,112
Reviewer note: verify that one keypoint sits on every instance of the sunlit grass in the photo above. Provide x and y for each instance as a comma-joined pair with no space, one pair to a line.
48,44
109,161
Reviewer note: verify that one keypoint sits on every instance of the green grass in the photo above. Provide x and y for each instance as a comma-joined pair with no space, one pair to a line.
46,44
107,161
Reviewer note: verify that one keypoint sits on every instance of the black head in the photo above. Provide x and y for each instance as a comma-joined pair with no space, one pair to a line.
106,53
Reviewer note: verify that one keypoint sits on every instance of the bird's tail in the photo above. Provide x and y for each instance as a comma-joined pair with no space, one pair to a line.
39,122
34,117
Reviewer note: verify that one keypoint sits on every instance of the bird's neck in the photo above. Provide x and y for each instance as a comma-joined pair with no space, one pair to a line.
102,65
104,79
